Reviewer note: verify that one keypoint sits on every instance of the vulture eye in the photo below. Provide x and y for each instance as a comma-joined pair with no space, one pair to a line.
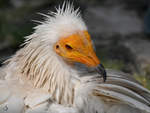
68,47
57,46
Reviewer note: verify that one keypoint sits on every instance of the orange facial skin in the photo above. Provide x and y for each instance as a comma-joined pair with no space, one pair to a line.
77,48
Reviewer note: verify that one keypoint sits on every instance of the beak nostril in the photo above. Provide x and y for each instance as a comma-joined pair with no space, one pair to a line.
89,57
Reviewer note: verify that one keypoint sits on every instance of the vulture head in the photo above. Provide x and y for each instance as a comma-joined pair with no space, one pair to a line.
50,55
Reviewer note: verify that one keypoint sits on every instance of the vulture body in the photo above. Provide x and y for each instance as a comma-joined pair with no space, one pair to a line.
57,71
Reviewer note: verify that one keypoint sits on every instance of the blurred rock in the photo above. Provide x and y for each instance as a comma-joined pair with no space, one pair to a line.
109,21
140,48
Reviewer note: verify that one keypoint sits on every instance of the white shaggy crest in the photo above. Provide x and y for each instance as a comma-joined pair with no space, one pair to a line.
65,21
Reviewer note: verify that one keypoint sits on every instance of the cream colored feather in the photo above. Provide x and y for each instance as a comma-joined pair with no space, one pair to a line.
37,80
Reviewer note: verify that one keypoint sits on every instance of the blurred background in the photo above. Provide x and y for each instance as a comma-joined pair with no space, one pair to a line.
120,30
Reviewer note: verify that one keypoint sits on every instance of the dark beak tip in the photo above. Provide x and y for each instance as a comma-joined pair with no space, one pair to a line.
101,70
105,76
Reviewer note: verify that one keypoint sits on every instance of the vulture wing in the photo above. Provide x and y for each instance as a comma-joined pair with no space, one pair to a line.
122,89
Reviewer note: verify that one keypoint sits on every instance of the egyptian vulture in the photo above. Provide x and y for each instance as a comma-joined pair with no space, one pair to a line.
57,71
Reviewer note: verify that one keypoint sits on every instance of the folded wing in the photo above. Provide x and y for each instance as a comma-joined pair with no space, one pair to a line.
122,88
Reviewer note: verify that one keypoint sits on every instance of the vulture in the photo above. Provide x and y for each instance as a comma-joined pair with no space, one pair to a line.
57,71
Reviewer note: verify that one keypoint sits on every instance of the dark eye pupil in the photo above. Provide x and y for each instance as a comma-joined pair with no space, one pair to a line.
57,46
68,47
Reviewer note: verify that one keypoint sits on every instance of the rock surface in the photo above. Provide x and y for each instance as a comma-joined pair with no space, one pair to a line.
113,20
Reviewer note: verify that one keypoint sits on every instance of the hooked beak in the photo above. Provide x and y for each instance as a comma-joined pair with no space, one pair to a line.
92,61
101,70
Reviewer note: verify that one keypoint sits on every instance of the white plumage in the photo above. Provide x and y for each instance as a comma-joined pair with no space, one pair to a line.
37,80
